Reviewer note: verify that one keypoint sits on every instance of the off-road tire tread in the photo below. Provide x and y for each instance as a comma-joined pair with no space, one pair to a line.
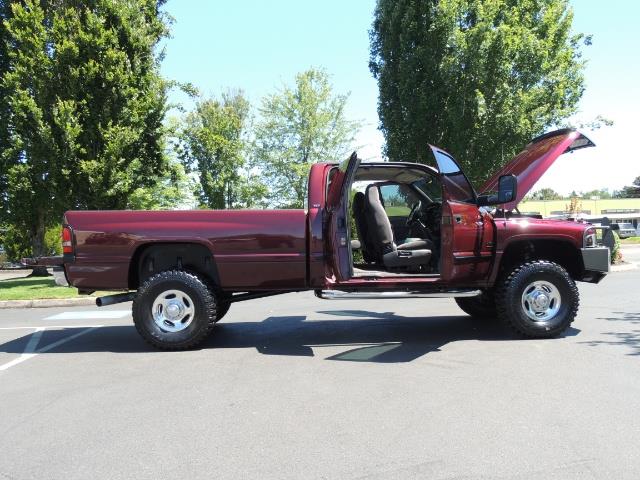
194,281
505,307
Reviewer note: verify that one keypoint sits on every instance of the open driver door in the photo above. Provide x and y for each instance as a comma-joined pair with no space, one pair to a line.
336,229
467,233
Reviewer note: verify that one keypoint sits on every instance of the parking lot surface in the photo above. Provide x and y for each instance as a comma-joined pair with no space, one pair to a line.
296,387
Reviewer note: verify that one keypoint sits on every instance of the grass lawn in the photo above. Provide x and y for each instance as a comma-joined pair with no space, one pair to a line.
397,211
630,240
35,288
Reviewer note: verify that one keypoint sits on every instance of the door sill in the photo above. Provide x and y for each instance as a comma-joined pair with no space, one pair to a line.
375,274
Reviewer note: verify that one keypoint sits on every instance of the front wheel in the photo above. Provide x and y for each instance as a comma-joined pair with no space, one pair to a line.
173,310
538,299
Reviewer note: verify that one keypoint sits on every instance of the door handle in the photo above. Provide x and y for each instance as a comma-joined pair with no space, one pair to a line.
458,218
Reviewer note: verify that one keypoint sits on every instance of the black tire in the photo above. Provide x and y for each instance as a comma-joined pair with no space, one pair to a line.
513,304
481,307
200,301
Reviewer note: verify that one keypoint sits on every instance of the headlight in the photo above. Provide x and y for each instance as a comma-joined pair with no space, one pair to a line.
590,238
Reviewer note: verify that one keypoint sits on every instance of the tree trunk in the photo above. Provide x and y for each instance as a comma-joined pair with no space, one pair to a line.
38,247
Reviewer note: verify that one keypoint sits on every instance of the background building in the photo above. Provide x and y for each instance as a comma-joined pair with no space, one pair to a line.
616,210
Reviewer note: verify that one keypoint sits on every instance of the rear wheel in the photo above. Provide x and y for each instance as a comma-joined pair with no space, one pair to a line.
481,307
538,299
173,310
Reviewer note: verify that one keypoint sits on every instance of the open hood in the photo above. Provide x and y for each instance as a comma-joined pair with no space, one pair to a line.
530,164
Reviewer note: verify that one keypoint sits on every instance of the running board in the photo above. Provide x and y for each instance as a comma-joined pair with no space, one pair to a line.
342,295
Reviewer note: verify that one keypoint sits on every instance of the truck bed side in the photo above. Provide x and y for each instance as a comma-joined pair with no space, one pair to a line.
250,250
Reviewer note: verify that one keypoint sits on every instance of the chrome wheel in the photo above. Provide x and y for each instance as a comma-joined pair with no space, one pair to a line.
541,301
173,311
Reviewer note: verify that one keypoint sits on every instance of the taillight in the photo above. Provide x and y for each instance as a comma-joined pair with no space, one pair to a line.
67,242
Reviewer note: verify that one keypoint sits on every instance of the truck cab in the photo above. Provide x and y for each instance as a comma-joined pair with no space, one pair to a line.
404,225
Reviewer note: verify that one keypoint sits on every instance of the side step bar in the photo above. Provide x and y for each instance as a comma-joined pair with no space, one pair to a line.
342,295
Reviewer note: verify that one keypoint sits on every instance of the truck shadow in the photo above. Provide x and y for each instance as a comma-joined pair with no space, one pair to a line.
629,338
371,337
365,336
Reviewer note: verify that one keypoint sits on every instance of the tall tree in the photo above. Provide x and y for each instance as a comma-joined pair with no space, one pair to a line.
630,191
480,78
82,107
299,126
213,143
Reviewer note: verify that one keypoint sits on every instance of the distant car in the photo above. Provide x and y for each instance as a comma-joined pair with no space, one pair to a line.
624,230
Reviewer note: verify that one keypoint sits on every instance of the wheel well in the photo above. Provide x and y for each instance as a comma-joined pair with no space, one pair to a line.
561,252
153,258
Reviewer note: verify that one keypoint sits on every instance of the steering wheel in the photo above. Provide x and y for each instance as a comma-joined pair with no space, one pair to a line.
414,215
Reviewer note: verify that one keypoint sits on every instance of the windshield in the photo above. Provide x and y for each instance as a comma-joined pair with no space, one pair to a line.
430,187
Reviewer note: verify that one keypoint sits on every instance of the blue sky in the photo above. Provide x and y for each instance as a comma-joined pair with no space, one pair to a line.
257,46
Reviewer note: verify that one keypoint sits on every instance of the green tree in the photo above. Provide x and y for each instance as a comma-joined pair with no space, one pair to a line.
81,107
213,143
479,78
630,191
299,126
173,190
544,194
602,193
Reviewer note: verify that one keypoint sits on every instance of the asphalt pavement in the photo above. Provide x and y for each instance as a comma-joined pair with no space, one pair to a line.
294,387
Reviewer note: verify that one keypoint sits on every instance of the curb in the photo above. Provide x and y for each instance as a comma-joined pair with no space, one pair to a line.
49,302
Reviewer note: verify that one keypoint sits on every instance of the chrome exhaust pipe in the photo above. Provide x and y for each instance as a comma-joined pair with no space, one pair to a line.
113,299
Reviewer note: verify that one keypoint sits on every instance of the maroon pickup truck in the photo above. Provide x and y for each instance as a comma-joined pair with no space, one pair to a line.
370,230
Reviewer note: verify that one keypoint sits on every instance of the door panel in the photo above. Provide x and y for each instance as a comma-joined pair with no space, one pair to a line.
467,233
467,242
337,238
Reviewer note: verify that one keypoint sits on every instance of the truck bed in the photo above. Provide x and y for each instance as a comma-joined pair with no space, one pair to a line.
247,248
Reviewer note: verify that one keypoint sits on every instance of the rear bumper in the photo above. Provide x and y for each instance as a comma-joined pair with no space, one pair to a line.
597,263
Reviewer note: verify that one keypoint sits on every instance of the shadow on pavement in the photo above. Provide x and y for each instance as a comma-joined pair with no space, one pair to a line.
385,338
629,338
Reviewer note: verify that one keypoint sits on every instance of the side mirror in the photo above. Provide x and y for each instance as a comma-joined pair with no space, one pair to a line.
507,188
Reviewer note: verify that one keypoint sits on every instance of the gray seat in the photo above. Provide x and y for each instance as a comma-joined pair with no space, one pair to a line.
380,237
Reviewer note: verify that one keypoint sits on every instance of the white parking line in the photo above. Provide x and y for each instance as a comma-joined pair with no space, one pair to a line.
50,326
88,314
30,350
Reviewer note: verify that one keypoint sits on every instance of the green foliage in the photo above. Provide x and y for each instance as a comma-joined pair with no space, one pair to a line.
173,190
480,78
299,126
213,144
544,194
631,191
81,108
17,242
602,193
